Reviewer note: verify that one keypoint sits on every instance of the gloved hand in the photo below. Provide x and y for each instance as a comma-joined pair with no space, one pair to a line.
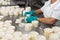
31,18
31,13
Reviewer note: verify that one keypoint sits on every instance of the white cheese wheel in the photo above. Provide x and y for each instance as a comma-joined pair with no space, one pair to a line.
35,23
28,27
2,33
4,29
41,37
47,32
22,25
11,28
17,33
7,25
33,34
54,37
8,21
25,37
16,38
15,13
8,36
56,29
9,31
8,3
18,21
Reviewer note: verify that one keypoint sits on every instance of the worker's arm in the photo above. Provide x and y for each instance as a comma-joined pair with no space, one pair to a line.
38,11
47,20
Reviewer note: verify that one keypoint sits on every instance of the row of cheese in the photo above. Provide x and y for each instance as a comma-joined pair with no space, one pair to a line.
52,33
11,10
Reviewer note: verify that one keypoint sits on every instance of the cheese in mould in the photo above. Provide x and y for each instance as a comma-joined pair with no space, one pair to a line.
25,37
2,33
56,29
47,32
18,34
22,25
35,23
41,37
28,27
34,33
8,21
11,27
54,37
8,36
10,31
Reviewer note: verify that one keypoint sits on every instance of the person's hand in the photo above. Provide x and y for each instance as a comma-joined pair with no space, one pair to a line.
31,18
31,13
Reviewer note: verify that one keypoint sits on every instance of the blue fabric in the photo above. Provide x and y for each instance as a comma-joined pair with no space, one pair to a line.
31,18
31,13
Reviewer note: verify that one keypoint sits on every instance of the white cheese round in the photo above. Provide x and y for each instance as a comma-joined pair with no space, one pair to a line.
28,27
54,37
35,23
56,29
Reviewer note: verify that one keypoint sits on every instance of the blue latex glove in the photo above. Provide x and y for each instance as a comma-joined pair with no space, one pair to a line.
31,18
31,13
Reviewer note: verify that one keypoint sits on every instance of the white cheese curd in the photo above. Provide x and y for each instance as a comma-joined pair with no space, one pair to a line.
41,37
10,31
28,27
11,28
16,38
8,3
8,21
56,29
4,29
15,13
25,37
35,23
54,37
4,39
48,31
2,33
10,13
58,33
7,25
8,36
1,24
17,21
22,25
33,33
17,33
